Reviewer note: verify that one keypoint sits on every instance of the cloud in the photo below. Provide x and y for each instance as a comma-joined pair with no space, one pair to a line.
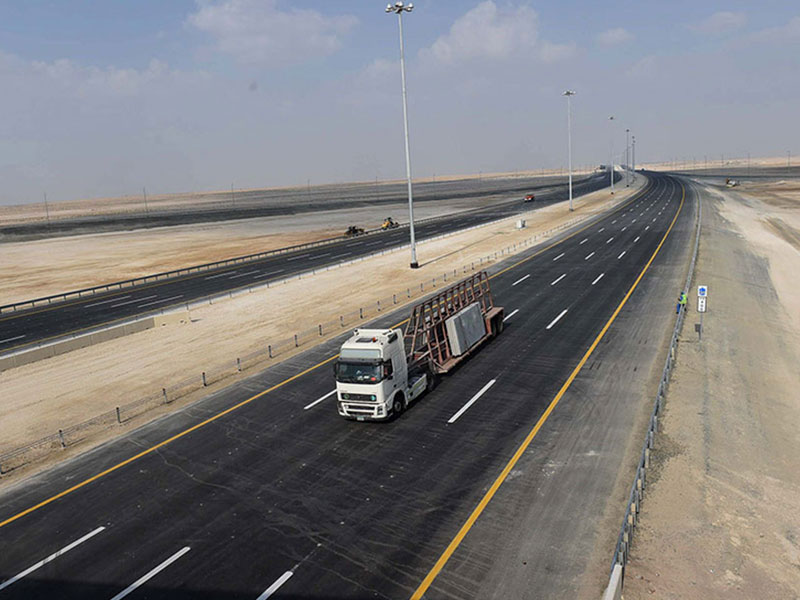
614,37
788,33
720,23
258,31
549,52
489,32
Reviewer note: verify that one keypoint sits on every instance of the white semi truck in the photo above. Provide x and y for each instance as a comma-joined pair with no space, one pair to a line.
379,372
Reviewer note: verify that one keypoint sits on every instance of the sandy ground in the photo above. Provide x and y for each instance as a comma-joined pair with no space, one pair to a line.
712,162
721,518
42,397
40,268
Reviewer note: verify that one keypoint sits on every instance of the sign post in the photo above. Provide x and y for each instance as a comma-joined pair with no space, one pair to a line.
702,300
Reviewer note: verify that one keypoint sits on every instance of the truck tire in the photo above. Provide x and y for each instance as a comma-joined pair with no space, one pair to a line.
430,381
497,325
398,404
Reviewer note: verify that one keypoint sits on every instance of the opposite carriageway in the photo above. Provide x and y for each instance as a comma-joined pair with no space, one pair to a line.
28,327
278,493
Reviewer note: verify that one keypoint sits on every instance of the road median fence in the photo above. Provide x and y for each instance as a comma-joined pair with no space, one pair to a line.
264,355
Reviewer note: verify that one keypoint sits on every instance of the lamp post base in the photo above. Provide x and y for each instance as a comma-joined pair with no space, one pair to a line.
415,265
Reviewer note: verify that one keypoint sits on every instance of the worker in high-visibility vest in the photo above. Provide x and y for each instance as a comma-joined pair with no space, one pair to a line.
681,302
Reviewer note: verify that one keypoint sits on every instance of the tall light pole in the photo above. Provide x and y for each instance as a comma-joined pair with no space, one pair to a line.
633,155
399,8
569,94
611,152
627,157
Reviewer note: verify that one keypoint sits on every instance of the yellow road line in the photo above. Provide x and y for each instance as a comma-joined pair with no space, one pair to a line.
434,572
233,408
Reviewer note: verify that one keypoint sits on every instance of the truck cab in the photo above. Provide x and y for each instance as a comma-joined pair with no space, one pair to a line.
372,375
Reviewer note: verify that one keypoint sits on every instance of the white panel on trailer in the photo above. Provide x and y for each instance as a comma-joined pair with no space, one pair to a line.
465,329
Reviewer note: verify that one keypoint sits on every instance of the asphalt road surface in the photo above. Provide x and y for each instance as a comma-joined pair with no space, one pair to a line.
248,204
29,327
262,490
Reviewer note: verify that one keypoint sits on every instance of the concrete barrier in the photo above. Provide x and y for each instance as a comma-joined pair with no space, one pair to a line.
31,355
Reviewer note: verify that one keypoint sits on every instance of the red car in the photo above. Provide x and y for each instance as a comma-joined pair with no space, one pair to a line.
529,198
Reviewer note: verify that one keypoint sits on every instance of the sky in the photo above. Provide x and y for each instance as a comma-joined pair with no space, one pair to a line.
103,98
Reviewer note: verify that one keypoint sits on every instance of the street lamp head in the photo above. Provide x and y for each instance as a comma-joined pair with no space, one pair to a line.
399,7
569,93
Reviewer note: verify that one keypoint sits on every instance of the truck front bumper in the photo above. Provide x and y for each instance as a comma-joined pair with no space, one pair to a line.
361,411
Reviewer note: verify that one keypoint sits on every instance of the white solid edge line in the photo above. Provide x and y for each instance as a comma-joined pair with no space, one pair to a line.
557,257
520,280
511,314
160,301
559,279
19,337
589,256
599,277
274,587
145,578
471,401
318,400
53,556
557,319
621,255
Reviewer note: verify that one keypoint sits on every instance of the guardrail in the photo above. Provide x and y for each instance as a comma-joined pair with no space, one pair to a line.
173,274
625,538
262,354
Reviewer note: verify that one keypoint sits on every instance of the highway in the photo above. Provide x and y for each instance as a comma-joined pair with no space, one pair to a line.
31,326
262,491
248,204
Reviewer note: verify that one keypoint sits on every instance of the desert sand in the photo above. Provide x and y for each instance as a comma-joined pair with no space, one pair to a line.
42,397
720,516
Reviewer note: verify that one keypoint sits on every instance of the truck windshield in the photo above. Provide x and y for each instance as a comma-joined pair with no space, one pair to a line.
358,372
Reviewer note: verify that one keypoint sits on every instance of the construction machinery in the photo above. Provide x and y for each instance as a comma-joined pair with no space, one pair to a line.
389,223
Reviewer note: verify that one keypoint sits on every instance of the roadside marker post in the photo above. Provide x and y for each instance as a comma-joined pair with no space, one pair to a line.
702,300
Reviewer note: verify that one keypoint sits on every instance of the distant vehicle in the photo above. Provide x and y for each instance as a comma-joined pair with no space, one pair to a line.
731,182
353,231
390,223
379,372
529,198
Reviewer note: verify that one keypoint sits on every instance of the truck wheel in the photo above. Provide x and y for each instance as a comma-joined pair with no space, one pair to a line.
497,326
431,382
398,405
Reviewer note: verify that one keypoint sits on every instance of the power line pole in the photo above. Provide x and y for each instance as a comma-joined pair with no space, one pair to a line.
144,194
46,209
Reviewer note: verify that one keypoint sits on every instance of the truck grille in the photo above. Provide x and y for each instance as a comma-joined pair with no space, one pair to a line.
357,397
